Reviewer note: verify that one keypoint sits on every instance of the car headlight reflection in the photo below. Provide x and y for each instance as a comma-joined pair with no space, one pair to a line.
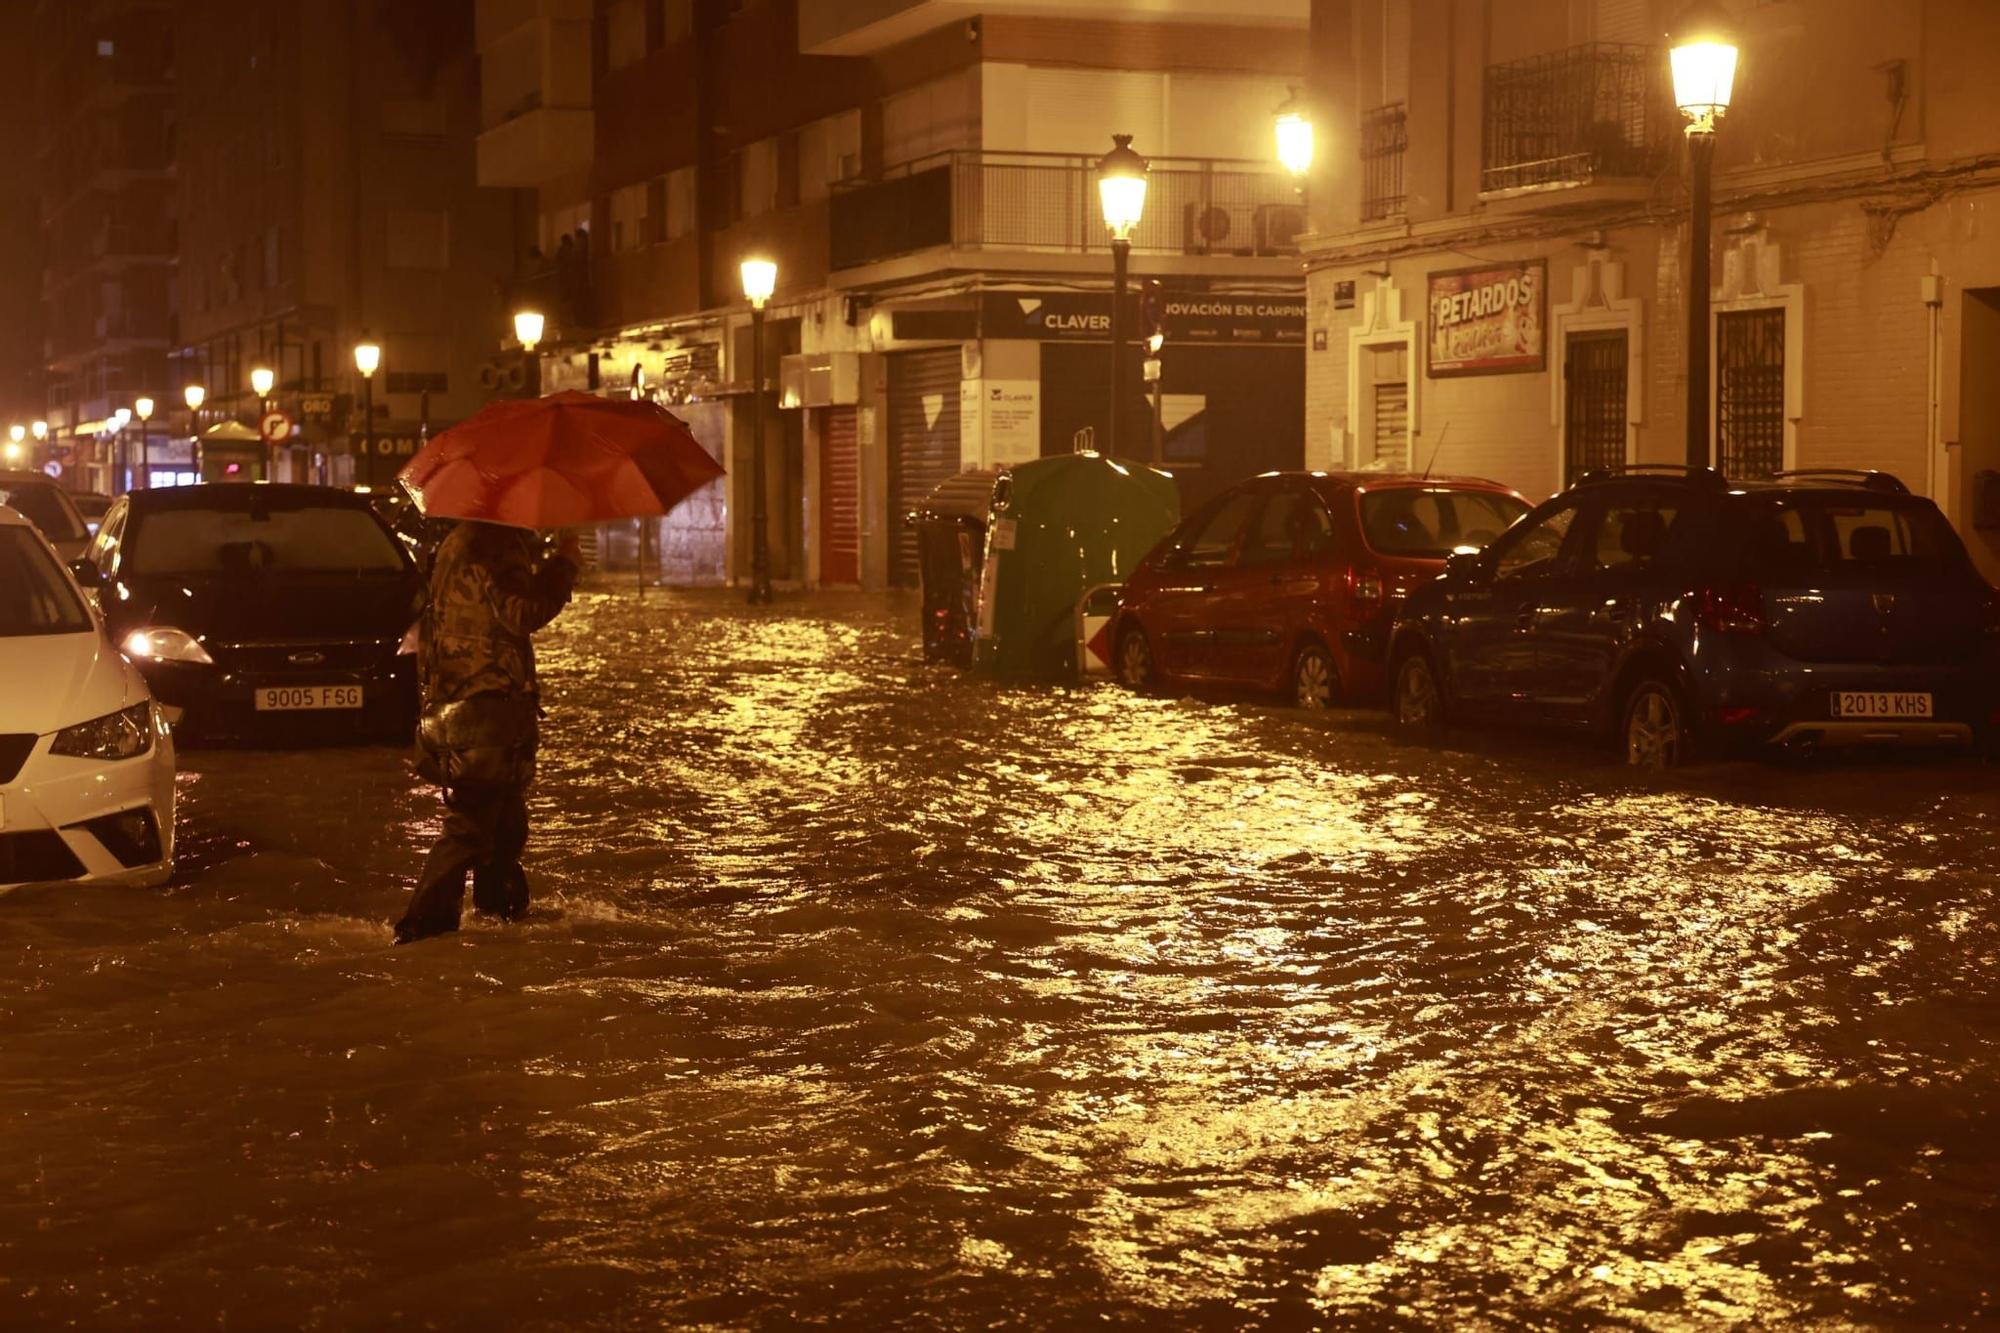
411,638
125,734
163,643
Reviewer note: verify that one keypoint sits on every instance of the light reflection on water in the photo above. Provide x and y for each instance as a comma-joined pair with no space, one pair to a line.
865,992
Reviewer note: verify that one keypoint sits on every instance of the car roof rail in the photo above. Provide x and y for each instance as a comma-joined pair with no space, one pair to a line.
1853,476
1657,471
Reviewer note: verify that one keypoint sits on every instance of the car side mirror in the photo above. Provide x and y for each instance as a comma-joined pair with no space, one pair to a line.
88,575
1465,567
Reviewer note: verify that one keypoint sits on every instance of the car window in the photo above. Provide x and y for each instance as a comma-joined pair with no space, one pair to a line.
104,547
1209,545
43,505
36,597
1534,549
1274,536
1817,534
217,541
1630,532
1433,522
1315,527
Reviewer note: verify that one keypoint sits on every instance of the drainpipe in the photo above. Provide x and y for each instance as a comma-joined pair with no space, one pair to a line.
1939,463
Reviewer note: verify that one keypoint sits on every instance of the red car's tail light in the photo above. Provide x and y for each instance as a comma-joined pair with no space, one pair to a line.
1738,609
1364,589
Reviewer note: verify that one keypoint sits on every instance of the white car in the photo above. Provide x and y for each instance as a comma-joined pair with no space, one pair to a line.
86,756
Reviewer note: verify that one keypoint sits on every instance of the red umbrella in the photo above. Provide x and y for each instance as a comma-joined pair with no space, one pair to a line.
565,459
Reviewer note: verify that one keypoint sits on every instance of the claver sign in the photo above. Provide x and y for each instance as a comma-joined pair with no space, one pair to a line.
1488,319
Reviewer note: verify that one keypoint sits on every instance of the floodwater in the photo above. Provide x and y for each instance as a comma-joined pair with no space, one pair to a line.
865,994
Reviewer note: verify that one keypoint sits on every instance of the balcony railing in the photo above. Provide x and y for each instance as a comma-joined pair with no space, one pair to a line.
1574,116
1385,134
971,199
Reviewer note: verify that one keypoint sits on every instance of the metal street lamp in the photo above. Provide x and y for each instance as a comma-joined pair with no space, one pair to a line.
1294,133
760,279
1121,193
367,360
143,409
528,329
194,395
1703,57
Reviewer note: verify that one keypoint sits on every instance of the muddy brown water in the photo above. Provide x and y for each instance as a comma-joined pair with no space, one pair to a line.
864,993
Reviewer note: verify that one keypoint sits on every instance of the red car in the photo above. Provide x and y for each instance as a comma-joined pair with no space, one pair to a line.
1291,580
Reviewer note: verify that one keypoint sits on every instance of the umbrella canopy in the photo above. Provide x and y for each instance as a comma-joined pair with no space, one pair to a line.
565,459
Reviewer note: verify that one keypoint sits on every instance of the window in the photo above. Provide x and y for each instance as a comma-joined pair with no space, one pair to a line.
417,381
1630,533
1274,536
1209,544
35,597
625,33
215,540
418,239
680,210
1534,549
628,218
935,116
106,47
829,151
1750,391
1824,534
1432,523
757,179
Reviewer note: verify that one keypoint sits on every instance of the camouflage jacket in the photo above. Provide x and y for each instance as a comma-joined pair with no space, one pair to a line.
488,594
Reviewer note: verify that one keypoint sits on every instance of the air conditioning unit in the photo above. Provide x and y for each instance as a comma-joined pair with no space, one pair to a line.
1218,229
1278,227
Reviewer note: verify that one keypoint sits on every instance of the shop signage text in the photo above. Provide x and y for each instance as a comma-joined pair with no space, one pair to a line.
1185,318
1488,319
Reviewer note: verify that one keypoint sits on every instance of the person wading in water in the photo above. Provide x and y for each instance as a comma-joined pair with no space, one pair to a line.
479,728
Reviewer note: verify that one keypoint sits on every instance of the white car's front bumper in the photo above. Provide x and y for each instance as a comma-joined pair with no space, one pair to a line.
78,802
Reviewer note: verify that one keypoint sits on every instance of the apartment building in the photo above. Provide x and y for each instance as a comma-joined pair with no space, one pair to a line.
104,96
1497,279
922,172
327,193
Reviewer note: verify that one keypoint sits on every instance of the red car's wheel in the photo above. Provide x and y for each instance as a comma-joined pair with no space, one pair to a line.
1136,667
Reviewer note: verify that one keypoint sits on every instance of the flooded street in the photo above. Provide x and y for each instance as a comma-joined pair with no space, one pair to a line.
864,993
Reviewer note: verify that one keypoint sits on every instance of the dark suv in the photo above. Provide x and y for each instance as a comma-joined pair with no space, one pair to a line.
1669,609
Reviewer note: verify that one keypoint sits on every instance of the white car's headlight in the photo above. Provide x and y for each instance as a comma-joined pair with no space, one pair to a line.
125,734
163,643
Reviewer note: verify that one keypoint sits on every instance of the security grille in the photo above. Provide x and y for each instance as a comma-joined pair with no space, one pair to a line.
1392,424
1750,392
1385,134
1571,116
840,496
923,442
1594,407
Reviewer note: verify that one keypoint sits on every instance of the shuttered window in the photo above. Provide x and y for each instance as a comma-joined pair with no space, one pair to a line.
1392,424
840,497
923,442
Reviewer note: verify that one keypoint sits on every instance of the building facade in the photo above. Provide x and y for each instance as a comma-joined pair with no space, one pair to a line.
922,173
1497,279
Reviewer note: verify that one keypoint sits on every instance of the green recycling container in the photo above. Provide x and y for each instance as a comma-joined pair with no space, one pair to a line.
1059,526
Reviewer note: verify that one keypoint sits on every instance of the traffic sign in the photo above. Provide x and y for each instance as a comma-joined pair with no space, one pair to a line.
53,468
276,426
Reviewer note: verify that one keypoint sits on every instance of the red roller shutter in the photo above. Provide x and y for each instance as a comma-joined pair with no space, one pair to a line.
840,496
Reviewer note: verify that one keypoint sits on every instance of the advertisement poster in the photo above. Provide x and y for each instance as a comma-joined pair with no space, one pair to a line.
1013,420
1488,320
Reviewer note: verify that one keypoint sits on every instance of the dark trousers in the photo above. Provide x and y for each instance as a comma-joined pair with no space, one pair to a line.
485,828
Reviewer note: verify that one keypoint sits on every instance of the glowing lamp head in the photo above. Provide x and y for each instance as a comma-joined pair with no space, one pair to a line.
367,356
261,380
1295,136
195,396
1703,56
1121,187
143,408
17,433
40,430
760,279
528,326
12,451
121,417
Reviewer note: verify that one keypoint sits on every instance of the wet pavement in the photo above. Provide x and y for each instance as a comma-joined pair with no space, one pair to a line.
862,993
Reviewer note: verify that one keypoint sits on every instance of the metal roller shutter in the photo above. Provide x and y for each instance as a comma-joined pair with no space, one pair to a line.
923,443
840,497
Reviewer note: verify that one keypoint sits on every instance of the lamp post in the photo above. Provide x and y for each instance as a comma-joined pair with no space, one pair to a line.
367,360
143,408
760,279
119,421
194,395
529,326
1294,134
1703,56
1121,193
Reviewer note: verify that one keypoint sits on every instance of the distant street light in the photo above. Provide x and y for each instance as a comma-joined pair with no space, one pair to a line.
1703,57
15,434
194,395
367,360
528,326
143,408
1121,193
261,380
1295,139
760,279
39,429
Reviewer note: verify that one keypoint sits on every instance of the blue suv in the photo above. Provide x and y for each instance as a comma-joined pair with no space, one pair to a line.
1668,609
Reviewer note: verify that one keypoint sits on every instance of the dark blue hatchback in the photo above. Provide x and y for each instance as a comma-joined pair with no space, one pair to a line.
1670,610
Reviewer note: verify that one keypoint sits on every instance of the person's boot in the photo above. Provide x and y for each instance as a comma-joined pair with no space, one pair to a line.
501,891
433,910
